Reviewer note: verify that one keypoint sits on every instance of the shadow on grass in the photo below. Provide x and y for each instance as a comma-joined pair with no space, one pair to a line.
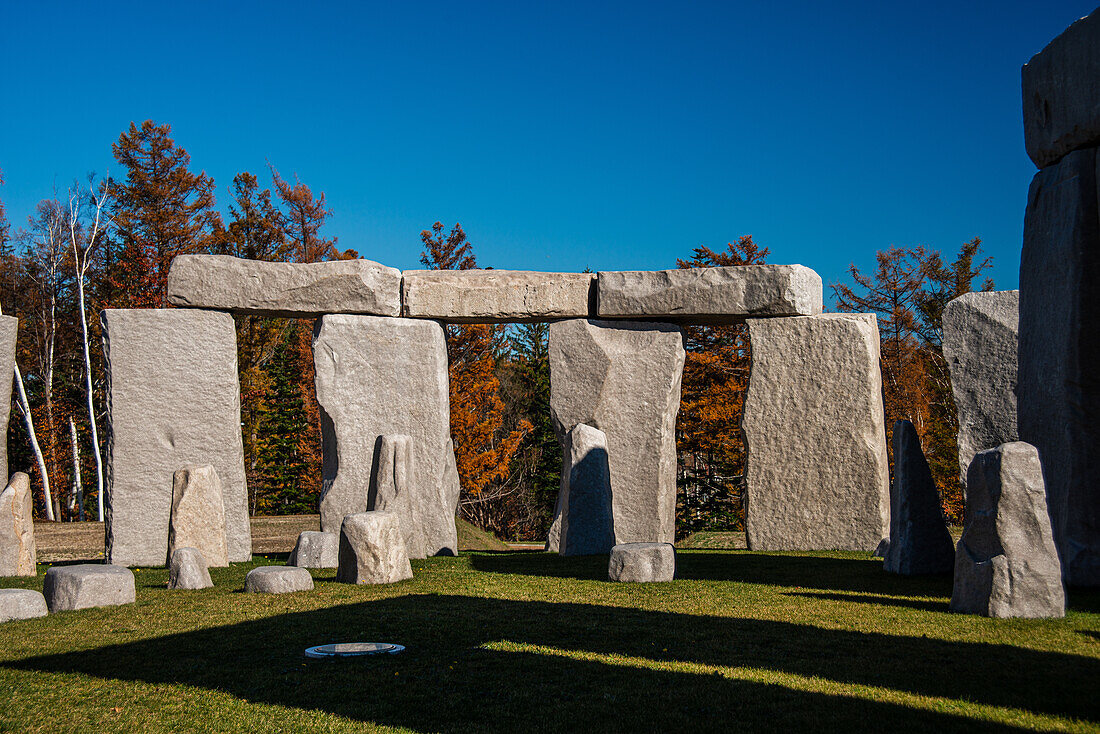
448,681
882,600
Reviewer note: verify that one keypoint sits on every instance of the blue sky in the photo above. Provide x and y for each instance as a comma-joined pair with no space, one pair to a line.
614,136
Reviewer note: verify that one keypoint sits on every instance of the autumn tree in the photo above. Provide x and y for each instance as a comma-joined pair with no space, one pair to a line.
303,215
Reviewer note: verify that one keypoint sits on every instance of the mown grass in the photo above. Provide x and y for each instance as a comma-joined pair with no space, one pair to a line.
530,642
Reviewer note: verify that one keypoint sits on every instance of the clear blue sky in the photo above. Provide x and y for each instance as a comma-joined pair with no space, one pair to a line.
561,135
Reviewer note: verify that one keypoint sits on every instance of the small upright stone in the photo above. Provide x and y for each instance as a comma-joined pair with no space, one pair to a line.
316,549
392,489
919,540
21,604
372,549
277,580
187,570
198,514
88,585
587,526
642,562
17,547
1006,564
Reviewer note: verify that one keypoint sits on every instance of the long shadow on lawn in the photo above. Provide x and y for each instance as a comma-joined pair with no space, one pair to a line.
447,680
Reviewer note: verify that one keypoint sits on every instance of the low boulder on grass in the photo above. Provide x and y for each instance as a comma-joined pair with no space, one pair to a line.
88,585
21,604
642,562
277,580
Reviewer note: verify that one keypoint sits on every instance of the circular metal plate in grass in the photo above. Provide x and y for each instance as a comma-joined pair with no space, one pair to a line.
353,649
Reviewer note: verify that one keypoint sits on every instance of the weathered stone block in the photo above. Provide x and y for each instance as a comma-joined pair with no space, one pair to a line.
198,514
187,569
710,295
277,580
173,399
587,522
493,296
88,585
294,290
642,562
1058,391
980,343
623,378
378,377
9,330
392,489
817,476
1061,95
372,549
1006,564
21,604
919,540
17,546
316,549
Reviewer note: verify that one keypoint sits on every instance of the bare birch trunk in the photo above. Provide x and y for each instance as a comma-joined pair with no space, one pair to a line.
78,487
25,407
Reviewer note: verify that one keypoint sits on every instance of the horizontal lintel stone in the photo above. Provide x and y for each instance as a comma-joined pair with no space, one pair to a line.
495,296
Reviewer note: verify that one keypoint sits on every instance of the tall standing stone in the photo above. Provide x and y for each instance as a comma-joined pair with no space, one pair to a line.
1006,564
17,547
392,489
623,378
173,399
919,540
980,342
817,476
587,521
1059,382
198,514
378,377
9,330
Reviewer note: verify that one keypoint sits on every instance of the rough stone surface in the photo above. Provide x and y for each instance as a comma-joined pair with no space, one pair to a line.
492,296
1058,392
622,378
392,489
9,329
173,399
316,549
378,377
642,562
587,524
919,540
817,476
21,604
277,580
295,290
710,295
198,514
88,585
187,569
17,547
980,342
1061,94
372,549
1006,564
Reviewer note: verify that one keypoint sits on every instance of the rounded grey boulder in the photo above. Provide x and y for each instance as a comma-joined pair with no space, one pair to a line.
277,580
88,585
21,604
188,570
642,562
316,549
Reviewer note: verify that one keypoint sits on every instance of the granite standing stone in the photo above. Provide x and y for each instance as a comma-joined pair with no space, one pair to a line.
622,378
710,295
980,342
294,290
642,562
587,524
316,549
378,377
173,399
277,580
21,604
198,514
919,540
1061,94
9,330
817,476
17,547
372,549
392,489
1006,564
88,585
187,569
493,296
1059,383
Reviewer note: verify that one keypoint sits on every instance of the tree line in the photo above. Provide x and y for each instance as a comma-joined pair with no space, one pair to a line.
109,242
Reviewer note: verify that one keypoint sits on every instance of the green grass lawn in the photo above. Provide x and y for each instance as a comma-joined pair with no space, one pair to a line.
531,642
